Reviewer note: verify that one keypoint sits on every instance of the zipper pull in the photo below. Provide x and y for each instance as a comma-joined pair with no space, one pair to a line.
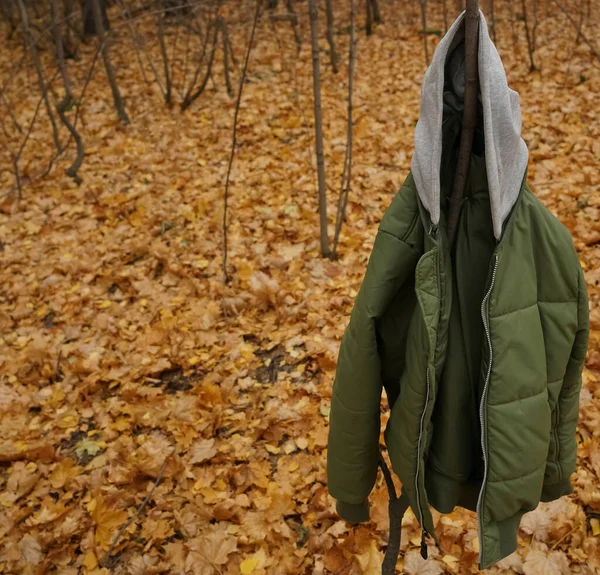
423,544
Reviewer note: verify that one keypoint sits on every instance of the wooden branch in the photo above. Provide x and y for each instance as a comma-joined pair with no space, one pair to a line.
583,37
138,44
38,68
330,40
290,7
190,97
224,38
469,116
424,24
532,67
165,58
376,12
581,16
62,106
445,8
314,33
136,514
493,20
234,139
107,63
11,112
347,170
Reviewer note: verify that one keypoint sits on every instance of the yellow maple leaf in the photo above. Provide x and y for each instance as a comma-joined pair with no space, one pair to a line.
370,560
63,473
107,519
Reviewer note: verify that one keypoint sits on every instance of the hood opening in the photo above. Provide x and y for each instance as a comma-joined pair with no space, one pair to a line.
497,137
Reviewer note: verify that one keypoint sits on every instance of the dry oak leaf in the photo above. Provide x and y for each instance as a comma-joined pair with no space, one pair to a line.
202,451
107,519
542,562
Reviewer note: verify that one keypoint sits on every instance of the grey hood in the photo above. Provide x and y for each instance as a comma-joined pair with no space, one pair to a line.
506,153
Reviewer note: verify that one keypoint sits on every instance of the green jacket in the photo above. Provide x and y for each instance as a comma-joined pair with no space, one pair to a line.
479,349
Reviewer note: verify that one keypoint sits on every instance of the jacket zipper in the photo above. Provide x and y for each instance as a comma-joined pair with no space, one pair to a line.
482,407
422,422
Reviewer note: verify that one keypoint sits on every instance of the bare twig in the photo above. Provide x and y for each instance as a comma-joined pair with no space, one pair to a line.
138,44
107,63
224,38
290,7
445,9
165,58
38,67
347,170
583,37
191,96
136,514
314,34
469,116
11,112
424,24
330,40
529,42
234,139
535,24
68,99
581,15
493,20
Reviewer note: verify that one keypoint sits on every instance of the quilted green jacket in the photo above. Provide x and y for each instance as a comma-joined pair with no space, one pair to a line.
479,348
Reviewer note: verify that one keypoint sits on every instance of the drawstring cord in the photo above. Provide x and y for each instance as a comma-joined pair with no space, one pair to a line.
397,507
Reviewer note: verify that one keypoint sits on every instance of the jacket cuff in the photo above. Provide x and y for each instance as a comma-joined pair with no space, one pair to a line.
353,512
555,491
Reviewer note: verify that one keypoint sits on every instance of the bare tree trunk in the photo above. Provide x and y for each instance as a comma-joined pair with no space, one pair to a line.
107,63
369,24
493,19
580,34
290,7
138,44
469,122
237,109
529,43
581,16
71,171
11,112
38,68
424,25
165,58
376,12
332,52
192,95
225,40
445,8
535,24
347,170
314,34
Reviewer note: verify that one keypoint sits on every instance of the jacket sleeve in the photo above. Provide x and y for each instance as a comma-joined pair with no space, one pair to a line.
353,444
558,472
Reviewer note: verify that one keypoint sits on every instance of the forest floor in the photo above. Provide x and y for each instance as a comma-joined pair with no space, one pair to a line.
119,367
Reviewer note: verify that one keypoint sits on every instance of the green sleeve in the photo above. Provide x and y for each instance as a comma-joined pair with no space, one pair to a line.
558,482
353,445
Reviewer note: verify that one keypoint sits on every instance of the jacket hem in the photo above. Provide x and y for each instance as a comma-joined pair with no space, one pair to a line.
353,512
553,491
